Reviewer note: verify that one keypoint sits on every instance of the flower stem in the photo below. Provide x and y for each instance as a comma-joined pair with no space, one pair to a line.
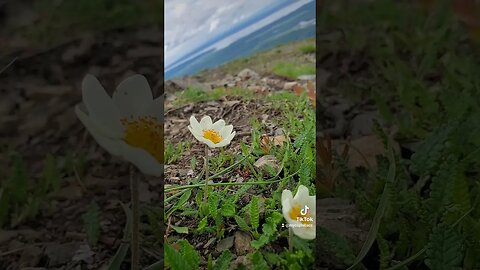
135,219
222,184
290,239
167,190
206,174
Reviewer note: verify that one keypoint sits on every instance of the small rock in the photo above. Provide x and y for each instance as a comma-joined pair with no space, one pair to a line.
145,195
83,253
307,77
60,254
289,85
225,244
241,261
268,165
247,74
242,243
279,132
363,124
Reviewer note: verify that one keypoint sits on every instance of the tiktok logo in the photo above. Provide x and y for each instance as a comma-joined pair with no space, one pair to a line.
304,210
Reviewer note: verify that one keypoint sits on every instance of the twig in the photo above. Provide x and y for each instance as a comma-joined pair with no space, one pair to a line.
9,64
206,174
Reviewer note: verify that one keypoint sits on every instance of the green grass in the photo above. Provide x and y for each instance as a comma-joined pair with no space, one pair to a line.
224,209
292,71
308,48
266,60
195,95
22,197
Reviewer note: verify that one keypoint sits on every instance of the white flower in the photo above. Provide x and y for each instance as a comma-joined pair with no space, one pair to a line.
128,124
212,134
299,211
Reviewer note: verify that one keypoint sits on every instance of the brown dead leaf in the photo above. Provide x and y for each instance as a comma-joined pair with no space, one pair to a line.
310,91
298,89
364,150
266,141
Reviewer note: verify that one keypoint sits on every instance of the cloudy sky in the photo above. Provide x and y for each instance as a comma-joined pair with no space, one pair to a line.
189,23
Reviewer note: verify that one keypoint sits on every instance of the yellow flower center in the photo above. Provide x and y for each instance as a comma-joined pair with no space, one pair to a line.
212,135
146,133
296,215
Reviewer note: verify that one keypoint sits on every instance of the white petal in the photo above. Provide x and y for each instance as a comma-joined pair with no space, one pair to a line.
207,142
155,109
302,193
307,233
226,131
196,134
287,198
218,126
145,162
226,141
100,106
133,95
112,146
206,122
230,137
194,124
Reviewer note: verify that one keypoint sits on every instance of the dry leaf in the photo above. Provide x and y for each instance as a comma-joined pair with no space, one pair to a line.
363,151
267,141
310,91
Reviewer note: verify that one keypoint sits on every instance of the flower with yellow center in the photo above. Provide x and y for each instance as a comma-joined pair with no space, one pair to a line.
212,134
299,212
128,124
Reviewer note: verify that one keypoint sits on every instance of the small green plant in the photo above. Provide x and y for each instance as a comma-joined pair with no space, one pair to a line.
92,223
293,71
173,153
19,201
308,48
184,257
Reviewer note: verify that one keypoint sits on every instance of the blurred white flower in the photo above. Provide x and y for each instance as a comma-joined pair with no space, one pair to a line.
212,134
129,124
299,211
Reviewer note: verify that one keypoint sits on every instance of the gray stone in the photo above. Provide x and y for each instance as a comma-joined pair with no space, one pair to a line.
247,74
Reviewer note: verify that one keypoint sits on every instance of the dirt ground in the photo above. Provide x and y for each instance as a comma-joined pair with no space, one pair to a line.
38,93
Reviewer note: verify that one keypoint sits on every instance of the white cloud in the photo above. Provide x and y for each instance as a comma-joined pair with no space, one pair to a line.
213,25
189,23
179,9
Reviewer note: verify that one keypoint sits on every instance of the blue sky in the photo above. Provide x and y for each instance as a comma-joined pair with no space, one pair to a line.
191,23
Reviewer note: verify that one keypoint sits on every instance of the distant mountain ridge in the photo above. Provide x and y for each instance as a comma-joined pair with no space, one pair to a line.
298,25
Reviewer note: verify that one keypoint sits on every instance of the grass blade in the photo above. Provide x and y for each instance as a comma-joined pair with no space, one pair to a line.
372,234
117,260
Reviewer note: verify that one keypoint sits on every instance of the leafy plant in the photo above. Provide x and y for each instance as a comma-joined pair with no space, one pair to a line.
92,224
